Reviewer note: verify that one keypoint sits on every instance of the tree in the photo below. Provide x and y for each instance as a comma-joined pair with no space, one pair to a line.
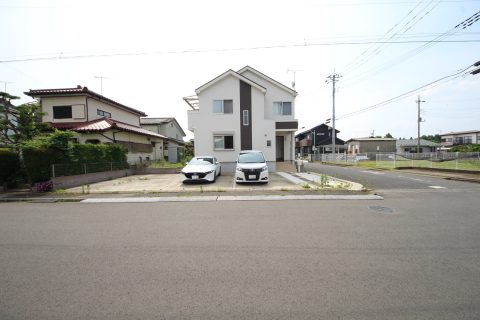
18,124
388,135
434,138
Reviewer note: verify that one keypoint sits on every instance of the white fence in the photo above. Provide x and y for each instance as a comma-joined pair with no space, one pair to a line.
439,160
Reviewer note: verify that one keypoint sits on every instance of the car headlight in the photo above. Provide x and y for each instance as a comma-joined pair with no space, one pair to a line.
208,172
265,168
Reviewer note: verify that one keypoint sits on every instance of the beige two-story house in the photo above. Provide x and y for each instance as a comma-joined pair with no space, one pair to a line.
98,119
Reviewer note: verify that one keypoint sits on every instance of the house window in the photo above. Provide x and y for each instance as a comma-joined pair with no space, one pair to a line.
223,106
223,142
269,143
282,108
104,113
62,112
245,120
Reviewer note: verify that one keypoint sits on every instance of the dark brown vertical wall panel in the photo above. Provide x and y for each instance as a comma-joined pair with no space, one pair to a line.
245,104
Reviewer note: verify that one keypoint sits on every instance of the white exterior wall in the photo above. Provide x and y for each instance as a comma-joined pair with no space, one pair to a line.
274,94
205,124
262,129
85,109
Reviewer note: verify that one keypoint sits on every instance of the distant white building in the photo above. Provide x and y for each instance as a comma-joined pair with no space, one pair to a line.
243,110
460,137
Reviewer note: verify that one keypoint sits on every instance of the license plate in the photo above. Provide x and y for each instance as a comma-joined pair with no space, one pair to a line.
252,176
194,177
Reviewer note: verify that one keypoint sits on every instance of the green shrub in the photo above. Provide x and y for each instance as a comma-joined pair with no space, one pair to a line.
466,148
38,161
40,153
9,166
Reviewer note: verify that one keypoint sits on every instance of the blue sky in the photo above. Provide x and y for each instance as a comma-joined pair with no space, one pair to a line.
308,36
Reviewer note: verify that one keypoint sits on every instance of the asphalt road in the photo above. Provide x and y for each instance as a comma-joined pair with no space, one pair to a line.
385,180
414,255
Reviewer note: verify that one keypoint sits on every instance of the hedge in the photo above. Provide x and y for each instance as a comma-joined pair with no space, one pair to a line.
9,166
39,155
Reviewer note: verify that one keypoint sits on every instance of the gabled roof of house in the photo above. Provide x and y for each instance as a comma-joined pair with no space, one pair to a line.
104,124
226,74
414,143
371,139
148,121
80,91
303,131
273,81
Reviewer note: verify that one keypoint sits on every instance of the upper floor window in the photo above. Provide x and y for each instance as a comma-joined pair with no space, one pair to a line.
223,106
245,119
62,112
104,113
282,108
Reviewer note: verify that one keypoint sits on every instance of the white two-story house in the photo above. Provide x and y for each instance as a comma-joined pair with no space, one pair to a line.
243,110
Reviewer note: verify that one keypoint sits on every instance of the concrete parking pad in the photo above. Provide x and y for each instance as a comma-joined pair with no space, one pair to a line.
173,183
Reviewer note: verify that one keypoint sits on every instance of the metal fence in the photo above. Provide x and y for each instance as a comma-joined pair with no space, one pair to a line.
438,160
59,170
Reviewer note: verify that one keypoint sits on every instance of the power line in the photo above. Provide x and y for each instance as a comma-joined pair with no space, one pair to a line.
60,56
364,57
437,82
439,39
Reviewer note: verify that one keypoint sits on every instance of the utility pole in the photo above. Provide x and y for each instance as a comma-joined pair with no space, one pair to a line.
333,78
419,119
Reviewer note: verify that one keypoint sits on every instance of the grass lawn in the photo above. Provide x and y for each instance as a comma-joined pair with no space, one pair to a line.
456,165
164,164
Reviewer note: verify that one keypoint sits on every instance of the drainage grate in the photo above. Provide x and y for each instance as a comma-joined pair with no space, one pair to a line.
380,209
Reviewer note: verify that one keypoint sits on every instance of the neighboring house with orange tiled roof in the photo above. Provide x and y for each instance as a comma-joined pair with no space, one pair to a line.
98,119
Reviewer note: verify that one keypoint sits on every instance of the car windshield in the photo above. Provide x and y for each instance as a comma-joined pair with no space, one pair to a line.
251,157
199,162
206,159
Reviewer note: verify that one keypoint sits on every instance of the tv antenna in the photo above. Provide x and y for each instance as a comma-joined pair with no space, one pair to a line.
101,82
5,84
294,72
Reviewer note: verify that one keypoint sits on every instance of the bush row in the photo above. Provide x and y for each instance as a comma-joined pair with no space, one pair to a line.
9,166
39,154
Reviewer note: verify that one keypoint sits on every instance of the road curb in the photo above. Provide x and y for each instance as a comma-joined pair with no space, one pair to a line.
232,198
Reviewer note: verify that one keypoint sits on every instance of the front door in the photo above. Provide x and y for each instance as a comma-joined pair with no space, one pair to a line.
279,148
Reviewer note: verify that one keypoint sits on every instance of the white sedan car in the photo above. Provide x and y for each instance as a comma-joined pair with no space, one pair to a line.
202,168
